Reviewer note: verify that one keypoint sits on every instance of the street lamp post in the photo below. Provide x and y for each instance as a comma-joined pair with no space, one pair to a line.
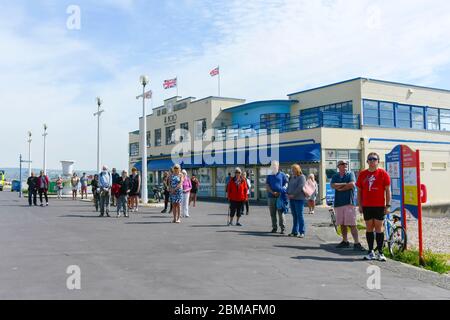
20,174
45,150
29,152
97,114
144,81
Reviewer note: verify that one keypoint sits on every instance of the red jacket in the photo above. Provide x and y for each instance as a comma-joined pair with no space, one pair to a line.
236,193
47,183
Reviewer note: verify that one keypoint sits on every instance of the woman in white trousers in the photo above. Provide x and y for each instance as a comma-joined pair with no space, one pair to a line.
187,186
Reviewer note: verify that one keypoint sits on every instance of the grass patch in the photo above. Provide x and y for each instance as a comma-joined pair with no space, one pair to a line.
360,225
436,262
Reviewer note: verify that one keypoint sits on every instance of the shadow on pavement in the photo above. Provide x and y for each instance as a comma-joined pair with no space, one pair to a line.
79,216
254,233
159,222
353,256
210,226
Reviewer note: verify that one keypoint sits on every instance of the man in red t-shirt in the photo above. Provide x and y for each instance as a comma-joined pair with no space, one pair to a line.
374,199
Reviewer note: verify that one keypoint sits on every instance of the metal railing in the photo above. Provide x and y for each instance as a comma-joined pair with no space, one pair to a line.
306,121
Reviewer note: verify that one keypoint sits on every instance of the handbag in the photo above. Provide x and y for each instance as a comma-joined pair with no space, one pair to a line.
309,188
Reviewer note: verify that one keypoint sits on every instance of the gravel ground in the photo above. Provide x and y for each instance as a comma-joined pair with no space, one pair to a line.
436,234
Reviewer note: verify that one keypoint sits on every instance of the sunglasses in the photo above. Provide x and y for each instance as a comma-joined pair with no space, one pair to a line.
372,159
237,172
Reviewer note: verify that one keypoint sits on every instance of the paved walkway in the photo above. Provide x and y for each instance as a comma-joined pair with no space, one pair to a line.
148,257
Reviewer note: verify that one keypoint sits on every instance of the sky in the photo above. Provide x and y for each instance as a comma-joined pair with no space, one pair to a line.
51,68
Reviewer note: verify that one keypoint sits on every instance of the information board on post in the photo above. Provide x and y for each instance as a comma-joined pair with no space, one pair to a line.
403,166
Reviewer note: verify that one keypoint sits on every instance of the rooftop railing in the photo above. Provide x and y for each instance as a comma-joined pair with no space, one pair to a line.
307,121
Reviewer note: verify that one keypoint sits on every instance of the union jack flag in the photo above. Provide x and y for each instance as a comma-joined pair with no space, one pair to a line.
171,83
214,72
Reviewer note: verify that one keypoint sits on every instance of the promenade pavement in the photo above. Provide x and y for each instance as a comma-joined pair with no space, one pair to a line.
148,257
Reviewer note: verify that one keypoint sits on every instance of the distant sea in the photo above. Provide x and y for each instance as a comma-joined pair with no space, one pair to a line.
14,173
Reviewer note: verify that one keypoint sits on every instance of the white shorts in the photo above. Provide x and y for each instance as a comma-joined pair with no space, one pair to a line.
346,215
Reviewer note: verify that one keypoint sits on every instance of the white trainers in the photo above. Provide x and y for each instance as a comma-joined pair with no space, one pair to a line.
381,257
370,256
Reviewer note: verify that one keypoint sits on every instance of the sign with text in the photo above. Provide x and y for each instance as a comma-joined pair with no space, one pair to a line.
394,169
403,166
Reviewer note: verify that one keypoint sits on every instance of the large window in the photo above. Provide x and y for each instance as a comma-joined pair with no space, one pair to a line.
170,136
273,120
403,116
371,115
432,119
149,139
387,114
200,129
332,115
418,118
184,131
134,149
157,137
444,116
391,115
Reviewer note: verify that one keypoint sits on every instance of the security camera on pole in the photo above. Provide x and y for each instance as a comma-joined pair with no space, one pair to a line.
97,114
144,194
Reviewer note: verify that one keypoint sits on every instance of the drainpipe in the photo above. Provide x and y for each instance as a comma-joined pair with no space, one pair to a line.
363,145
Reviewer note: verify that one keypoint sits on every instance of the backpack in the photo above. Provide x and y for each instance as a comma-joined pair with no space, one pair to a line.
309,188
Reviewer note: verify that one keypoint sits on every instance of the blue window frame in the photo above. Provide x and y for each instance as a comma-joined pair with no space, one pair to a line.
433,119
387,114
418,118
403,116
273,120
371,113
444,119
393,115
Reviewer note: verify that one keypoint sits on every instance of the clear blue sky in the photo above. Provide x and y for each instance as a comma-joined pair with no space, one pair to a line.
266,49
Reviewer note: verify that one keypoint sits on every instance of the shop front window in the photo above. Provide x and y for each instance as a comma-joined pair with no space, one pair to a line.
204,177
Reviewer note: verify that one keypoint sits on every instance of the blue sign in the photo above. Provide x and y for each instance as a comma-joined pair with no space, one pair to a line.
330,194
394,167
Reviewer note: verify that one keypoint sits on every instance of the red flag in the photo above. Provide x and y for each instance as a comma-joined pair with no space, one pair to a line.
171,83
147,95
214,72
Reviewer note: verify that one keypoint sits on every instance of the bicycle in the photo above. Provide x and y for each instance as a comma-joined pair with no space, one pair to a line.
158,193
395,235
332,214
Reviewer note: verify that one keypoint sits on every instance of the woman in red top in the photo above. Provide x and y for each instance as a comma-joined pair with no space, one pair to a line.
374,199
237,195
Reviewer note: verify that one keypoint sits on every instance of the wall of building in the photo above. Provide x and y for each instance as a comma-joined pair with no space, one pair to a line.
434,147
348,91
252,114
376,90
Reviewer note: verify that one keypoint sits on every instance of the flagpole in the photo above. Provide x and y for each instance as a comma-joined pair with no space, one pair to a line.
218,68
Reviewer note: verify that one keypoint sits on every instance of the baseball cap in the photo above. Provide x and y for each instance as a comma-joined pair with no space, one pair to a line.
341,162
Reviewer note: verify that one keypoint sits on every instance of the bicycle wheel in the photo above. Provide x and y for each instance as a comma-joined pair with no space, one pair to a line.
397,240
333,219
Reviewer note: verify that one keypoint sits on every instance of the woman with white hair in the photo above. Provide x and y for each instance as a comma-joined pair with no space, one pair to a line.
313,197
187,187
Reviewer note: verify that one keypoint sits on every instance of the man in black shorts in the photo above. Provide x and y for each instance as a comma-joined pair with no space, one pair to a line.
374,199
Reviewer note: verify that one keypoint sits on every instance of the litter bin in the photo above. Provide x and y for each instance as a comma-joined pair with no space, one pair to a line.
15,186
52,187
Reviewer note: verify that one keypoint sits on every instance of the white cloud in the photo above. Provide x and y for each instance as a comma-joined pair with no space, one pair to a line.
266,49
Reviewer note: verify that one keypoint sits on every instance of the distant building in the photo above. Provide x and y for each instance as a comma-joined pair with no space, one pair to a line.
317,127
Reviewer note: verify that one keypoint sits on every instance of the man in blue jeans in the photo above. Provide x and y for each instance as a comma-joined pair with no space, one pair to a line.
274,184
